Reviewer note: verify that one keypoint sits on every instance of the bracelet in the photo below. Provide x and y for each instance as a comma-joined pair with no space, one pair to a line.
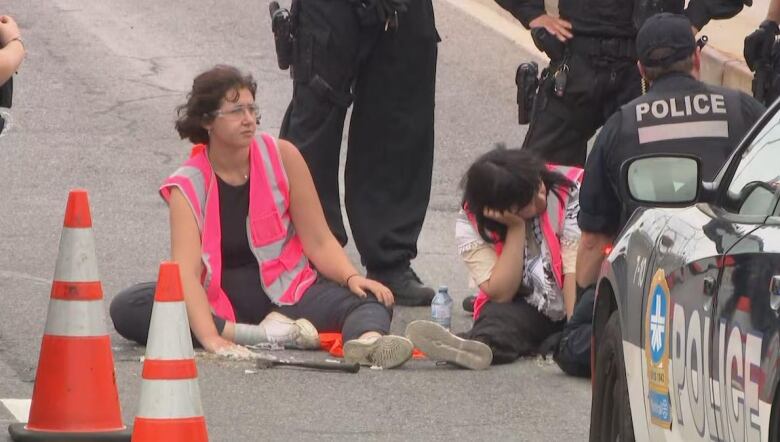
346,281
19,39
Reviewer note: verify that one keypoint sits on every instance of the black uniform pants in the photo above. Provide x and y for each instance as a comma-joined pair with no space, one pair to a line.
573,352
329,306
390,77
596,87
512,330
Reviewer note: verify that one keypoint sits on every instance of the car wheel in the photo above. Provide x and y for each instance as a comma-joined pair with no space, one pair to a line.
774,420
610,416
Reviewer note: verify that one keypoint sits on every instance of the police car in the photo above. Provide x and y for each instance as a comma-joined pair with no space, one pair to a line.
686,335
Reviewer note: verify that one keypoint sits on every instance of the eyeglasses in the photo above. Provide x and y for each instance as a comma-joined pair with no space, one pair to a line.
237,112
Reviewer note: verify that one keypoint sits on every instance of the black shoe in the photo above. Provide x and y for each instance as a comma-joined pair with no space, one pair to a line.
406,287
468,303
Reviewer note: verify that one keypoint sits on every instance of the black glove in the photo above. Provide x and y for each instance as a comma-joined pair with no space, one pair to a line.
758,45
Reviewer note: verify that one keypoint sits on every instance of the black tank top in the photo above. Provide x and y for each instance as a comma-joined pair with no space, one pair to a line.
240,272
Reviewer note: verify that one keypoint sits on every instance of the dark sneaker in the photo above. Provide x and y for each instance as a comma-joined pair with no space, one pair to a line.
440,345
406,286
388,351
468,303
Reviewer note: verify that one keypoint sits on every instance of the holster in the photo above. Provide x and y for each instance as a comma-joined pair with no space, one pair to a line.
527,81
282,25
548,43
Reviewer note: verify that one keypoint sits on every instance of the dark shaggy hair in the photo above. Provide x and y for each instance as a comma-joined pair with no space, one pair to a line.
208,90
503,179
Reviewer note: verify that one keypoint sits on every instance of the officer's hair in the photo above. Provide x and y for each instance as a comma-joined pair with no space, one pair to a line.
652,73
208,90
503,179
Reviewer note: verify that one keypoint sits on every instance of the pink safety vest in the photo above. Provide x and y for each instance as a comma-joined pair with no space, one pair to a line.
551,223
285,273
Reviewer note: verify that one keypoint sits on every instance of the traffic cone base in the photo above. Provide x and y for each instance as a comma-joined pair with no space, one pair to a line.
55,408
20,433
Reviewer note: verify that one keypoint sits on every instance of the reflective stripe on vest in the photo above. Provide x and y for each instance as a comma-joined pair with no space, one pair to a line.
285,273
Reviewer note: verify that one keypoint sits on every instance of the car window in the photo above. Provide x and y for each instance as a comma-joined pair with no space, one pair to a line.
757,178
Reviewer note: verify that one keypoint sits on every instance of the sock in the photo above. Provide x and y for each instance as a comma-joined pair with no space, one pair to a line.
246,334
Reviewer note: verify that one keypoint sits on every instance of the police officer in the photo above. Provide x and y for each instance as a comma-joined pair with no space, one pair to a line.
762,59
380,57
592,69
679,114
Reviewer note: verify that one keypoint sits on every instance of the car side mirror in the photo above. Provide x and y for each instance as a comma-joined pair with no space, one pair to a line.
662,180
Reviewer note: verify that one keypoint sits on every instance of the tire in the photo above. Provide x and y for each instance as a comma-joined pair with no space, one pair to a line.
610,416
774,420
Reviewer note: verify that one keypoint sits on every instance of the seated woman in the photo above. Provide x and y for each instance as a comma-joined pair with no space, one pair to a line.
518,236
245,222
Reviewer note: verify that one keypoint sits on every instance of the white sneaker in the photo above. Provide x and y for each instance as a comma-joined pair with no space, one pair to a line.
440,345
300,333
388,351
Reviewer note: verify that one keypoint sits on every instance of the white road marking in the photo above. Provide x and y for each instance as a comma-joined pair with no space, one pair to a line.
20,408
18,275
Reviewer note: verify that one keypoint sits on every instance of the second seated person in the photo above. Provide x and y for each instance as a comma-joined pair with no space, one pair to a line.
245,223
517,233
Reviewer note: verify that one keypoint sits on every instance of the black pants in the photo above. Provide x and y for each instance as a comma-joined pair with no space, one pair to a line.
329,306
512,329
573,353
596,87
390,76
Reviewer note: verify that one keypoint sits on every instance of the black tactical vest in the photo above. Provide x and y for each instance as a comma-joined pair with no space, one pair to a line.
697,119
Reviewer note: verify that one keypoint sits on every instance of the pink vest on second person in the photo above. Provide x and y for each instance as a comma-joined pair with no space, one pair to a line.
551,222
285,273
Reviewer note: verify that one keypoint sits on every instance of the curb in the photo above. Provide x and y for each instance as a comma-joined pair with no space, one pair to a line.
724,69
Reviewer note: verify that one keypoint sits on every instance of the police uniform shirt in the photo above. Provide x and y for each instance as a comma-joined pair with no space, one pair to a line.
678,115
620,18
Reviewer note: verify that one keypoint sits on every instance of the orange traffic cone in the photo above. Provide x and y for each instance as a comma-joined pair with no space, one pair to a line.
170,407
75,395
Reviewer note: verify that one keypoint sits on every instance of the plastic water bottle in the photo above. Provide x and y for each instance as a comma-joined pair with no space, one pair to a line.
441,308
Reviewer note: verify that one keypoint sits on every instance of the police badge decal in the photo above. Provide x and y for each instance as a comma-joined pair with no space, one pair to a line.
656,343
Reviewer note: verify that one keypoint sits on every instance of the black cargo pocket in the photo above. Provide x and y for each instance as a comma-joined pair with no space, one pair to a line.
310,54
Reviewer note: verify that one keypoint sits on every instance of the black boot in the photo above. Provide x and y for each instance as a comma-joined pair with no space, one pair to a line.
406,286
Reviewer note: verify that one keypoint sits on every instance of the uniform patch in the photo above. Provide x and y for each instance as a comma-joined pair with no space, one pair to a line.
656,343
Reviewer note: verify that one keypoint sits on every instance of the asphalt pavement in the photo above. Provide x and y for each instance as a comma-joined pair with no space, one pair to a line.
94,106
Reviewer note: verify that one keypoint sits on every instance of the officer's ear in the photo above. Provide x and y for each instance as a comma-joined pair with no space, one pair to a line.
641,69
696,68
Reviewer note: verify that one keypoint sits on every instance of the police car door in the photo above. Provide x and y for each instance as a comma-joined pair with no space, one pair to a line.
743,375
677,316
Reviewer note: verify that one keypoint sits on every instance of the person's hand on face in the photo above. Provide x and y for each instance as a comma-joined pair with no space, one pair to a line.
505,217
531,210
